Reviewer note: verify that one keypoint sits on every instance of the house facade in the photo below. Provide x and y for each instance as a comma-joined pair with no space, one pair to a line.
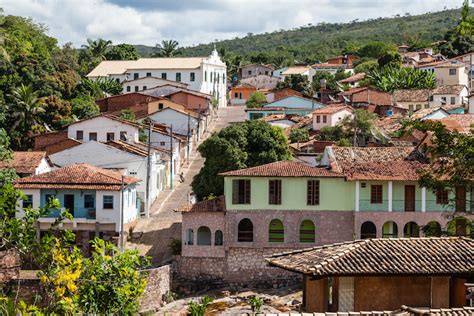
240,94
354,194
254,70
148,82
261,82
330,116
102,202
203,74
452,72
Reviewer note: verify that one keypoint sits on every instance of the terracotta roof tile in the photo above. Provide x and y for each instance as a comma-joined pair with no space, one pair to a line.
397,256
422,113
214,205
452,89
353,78
24,161
76,176
283,169
384,171
459,122
411,95
331,109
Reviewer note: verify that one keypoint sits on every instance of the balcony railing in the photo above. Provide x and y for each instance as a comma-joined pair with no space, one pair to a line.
89,213
401,206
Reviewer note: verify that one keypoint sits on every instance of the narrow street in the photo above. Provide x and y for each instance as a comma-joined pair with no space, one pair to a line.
151,236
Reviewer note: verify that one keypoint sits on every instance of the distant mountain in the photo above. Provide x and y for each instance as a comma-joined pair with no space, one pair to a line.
326,39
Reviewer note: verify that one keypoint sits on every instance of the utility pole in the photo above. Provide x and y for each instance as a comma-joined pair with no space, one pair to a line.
121,240
148,172
188,138
199,124
355,129
172,153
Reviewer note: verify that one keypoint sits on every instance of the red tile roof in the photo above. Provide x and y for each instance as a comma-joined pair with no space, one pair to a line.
459,122
331,109
25,162
77,176
214,205
384,171
353,78
397,256
282,169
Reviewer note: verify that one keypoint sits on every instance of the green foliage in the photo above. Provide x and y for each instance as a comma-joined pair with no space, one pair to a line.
57,112
175,246
167,48
460,39
376,49
122,52
296,82
331,80
199,309
331,133
390,58
366,65
238,146
256,303
84,106
299,135
128,115
256,100
344,142
391,78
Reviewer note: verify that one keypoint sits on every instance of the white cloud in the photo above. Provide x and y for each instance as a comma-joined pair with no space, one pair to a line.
198,21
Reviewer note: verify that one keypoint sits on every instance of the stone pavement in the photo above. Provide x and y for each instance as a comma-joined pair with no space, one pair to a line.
152,235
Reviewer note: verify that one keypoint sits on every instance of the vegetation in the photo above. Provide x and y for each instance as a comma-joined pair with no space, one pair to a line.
460,39
256,100
238,146
167,48
299,135
256,304
199,309
390,78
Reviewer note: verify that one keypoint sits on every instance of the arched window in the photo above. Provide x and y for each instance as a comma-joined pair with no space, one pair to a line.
459,226
204,236
432,229
276,231
390,230
368,230
411,229
218,238
245,231
307,232
190,237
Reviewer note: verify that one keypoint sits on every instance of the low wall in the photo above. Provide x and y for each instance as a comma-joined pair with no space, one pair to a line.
158,284
9,265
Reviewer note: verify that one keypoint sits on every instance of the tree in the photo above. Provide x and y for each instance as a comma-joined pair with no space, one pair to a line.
460,39
57,112
256,100
359,127
375,49
25,111
167,48
390,58
98,48
122,52
390,78
83,106
238,146
128,115
295,82
299,135
366,66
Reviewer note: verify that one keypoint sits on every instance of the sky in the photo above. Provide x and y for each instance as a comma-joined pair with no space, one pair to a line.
192,22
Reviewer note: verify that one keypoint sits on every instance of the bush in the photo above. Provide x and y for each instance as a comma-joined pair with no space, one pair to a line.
256,303
199,309
299,135
256,100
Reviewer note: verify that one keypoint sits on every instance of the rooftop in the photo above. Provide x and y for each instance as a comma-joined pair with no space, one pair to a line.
452,89
296,70
460,122
386,256
76,176
411,95
25,162
282,169
213,205
331,109
353,78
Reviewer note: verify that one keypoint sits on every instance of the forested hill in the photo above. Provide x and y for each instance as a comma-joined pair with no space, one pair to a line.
325,39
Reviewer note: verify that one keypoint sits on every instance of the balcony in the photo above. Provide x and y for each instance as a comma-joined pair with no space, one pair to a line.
402,206
83,213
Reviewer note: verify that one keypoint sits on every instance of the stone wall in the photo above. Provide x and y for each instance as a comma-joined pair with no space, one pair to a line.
158,284
9,265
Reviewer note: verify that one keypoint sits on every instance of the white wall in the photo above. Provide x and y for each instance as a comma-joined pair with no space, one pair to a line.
143,83
179,120
471,105
458,99
331,119
444,78
103,125
43,167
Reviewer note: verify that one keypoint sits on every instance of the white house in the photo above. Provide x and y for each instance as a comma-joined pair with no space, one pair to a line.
131,158
449,95
261,82
26,163
103,202
330,116
145,83
183,122
452,72
307,71
204,74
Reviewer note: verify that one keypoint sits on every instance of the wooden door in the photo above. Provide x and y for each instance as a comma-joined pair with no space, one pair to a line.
410,198
69,203
460,199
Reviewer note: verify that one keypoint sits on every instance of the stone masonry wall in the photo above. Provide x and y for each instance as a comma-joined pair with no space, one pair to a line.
9,265
158,284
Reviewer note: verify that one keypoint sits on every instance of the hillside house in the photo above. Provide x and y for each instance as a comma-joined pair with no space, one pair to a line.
451,73
252,70
303,70
202,74
241,93
330,116
27,163
261,82
94,196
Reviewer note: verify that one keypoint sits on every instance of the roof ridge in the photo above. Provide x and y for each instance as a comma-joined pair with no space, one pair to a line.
356,244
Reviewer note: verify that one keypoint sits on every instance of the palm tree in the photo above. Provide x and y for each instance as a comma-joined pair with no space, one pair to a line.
167,48
25,110
3,51
97,48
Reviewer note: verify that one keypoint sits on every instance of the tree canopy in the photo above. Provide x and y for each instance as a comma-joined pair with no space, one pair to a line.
238,146
256,100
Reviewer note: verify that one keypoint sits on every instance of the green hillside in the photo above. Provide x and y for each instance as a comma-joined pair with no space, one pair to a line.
326,39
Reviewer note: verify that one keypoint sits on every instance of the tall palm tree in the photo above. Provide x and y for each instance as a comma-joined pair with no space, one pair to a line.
25,110
97,48
167,48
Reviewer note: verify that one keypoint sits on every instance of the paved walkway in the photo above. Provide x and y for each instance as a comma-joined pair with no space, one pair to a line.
154,234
